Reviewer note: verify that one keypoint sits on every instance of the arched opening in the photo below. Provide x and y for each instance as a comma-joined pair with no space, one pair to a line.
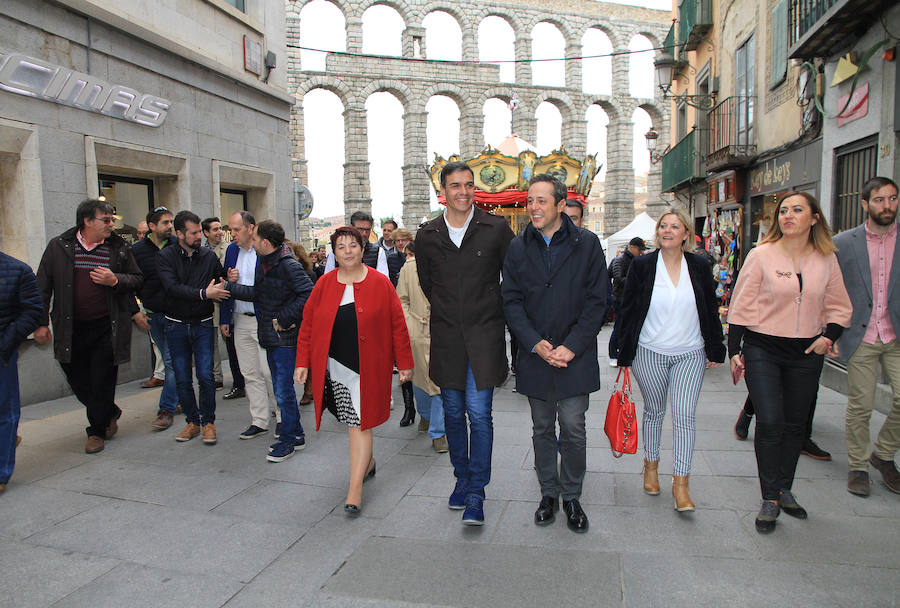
497,42
322,26
323,141
596,72
443,36
382,27
640,157
597,123
442,132
640,67
547,42
549,128
497,121
384,119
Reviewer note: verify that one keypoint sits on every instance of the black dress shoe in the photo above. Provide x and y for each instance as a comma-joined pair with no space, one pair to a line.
545,511
235,393
575,516
351,509
742,426
813,451
789,505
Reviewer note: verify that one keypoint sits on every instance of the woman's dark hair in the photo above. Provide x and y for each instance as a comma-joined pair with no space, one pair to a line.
87,208
347,231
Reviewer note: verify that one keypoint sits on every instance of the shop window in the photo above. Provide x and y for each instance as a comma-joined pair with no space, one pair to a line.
238,4
232,202
132,199
779,32
854,165
745,89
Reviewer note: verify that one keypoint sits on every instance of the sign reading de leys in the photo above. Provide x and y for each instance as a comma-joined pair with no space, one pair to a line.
37,78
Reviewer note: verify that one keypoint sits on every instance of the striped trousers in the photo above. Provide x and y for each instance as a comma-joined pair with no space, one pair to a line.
658,376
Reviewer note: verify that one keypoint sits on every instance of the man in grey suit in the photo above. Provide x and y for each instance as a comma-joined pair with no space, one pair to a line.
870,262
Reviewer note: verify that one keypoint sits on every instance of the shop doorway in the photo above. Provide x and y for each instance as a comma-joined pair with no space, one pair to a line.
132,198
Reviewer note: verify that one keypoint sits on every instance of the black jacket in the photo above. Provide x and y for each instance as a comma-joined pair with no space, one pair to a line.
277,293
395,261
558,294
463,286
184,280
636,303
20,305
152,294
618,271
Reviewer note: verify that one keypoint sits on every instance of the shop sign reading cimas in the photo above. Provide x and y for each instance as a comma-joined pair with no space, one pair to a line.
37,78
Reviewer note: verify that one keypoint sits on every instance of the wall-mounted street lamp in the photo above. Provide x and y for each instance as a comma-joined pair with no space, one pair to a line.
652,137
666,69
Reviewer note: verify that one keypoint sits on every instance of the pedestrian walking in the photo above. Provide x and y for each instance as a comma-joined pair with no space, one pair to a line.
618,271
554,297
374,255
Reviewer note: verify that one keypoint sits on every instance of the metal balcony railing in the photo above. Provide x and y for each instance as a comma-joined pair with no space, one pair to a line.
670,44
695,19
681,164
824,28
730,136
804,14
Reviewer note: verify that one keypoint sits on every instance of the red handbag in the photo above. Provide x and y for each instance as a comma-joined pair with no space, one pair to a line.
621,423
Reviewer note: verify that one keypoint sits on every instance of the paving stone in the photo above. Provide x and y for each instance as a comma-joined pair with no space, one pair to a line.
27,509
295,505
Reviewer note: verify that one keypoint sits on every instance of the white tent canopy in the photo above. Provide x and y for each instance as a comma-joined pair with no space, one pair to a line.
643,226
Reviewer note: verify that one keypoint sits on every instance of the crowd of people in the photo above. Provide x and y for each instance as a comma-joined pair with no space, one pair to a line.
433,309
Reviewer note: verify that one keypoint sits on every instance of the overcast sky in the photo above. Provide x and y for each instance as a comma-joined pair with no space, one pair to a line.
322,27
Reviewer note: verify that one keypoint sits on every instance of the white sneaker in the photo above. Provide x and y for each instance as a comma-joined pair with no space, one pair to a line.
613,363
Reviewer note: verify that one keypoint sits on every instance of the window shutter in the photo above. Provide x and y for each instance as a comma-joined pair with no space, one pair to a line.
779,31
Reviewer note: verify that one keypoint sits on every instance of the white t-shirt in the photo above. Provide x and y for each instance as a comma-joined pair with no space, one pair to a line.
246,266
672,326
457,234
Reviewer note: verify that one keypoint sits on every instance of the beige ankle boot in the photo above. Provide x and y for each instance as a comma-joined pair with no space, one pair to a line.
682,493
651,477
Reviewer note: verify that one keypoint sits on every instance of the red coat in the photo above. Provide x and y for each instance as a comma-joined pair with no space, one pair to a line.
383,340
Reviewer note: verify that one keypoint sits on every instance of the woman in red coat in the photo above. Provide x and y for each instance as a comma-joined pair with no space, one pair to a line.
353,332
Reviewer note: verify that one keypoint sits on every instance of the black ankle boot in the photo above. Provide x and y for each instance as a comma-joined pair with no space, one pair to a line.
409,413
742,427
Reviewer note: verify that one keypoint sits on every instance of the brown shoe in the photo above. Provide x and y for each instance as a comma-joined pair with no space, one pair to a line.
2,487
889,473
219,384
424,423
152,383
189,432
681,493
209,434
440,445
94,444
307,399
18,440
858,483
113,427
651,477
163,421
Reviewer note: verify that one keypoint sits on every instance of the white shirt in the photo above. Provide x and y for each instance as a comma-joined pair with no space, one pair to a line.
381,266
672,326
457,234
246,266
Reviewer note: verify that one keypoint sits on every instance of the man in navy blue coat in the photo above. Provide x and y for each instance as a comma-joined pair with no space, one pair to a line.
554,296
21,308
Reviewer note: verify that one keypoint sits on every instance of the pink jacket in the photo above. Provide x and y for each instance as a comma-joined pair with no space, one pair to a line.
767,297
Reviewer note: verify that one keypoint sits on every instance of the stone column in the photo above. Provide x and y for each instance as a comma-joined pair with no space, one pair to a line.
357,193
574,136
411,34
573,66
523,54
416,183
524,121
354,34
469,41
471,133
656,201
619,204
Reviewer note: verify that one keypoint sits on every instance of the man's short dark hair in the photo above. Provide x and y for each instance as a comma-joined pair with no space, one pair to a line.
361,216
874,184
574,204
560,192
389,221
453,168
206,224
183,217
87,210
271,231
247,217
158,212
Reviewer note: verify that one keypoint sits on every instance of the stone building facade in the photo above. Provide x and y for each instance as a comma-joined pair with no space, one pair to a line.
353,77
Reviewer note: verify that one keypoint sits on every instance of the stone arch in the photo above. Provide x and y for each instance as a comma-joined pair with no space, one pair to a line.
395,87
606,103
560,99
651,36
459,95
498,92
559,23
511,19
656,113
443,7
610,32
346,8
329,83
398,5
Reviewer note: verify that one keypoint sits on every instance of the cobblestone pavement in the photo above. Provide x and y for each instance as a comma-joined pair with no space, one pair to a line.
152,522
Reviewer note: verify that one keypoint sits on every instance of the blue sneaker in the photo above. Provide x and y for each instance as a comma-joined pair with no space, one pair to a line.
474,513
298,442
457,500
280,451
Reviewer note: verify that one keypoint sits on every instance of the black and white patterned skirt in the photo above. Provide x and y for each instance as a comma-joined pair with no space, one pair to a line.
343,398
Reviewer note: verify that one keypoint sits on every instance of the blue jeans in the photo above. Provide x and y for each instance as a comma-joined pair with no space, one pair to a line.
431,408
470,446
9,415
195,342
168,400
281,366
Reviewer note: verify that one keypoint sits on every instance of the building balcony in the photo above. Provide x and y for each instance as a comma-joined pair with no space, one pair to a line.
824,28
681,164
695,20
730,137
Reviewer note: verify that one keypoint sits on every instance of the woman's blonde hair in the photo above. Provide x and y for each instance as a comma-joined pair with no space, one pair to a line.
682,216
819,234
402,233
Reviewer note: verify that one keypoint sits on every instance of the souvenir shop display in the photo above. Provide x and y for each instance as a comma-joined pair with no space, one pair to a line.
723,236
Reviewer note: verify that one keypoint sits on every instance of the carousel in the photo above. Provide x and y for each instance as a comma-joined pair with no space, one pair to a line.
503,175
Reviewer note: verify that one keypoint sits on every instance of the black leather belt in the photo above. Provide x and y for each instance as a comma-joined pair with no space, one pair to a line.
249,314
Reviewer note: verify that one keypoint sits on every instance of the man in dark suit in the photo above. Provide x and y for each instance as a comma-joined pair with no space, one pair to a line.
459,256
870,262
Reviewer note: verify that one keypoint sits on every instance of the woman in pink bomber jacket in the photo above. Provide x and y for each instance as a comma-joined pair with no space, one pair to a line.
789,308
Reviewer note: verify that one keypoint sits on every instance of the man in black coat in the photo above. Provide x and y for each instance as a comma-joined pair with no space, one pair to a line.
279,292
459,257
20,313
618,270
554,295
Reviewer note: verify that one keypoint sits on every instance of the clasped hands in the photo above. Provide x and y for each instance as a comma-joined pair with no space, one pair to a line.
555,357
